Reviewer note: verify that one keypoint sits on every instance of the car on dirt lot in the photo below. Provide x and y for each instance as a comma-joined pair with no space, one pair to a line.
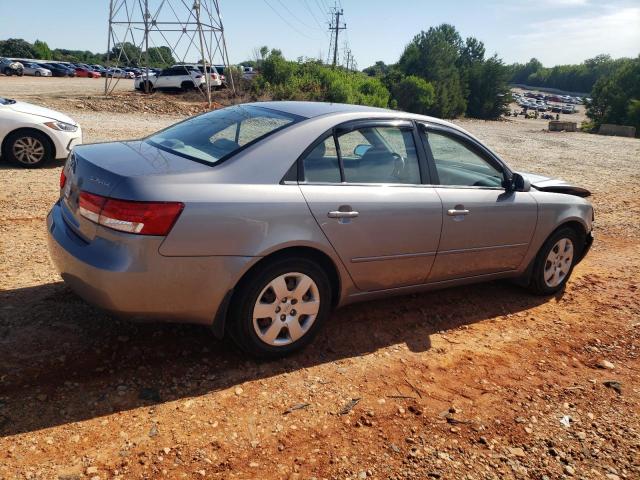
259,219
86,72
31,135
10,67
36,70
174,78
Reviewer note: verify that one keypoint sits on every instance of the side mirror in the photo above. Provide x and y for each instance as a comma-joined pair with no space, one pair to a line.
517,183
361,149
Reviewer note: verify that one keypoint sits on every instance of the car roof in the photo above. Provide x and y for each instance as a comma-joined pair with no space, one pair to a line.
315,109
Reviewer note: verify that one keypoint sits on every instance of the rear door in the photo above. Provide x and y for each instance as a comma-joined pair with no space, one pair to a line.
363,185
485,228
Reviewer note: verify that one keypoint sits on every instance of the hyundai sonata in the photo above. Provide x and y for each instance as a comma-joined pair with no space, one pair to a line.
259,219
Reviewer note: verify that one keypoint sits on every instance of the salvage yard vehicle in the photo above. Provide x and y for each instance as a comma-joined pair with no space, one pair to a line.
31,135
259,219
174,78
10,67
36,70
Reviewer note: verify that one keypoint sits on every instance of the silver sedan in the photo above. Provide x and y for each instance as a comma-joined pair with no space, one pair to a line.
259,219
36,70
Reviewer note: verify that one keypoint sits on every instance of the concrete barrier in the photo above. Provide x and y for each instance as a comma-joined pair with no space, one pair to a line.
617,130
559,126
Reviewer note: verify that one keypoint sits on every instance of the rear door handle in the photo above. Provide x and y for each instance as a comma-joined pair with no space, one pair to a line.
339,214
454,212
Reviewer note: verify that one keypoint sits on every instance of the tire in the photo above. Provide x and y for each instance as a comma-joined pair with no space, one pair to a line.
20,73
37,74
555,261
28,148
272,336
187,86
8,72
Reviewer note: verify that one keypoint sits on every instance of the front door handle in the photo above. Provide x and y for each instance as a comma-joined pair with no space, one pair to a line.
454,212
339,214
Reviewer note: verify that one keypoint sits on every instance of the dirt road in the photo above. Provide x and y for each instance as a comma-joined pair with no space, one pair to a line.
475,382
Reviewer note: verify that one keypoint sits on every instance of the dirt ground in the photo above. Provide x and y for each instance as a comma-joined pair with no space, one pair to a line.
478,382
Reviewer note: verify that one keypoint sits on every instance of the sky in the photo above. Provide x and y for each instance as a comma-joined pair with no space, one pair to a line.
554,31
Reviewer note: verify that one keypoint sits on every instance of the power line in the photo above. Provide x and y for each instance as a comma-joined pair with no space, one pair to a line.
293,14
286,21
315,19
335,28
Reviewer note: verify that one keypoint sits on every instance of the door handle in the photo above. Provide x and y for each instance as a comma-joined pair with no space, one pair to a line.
454,212
339,214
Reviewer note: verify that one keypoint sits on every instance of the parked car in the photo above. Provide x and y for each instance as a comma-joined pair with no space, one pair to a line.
117,73
36,70
215,80
10,67
31,135
248,73
86,72
174,78
59,70
568,109
100,69
258,219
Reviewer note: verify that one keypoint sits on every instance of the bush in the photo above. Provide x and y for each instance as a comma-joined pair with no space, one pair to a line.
414,94
310,80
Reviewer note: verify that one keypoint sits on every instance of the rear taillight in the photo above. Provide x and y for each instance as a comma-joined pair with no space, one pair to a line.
63,179
145,218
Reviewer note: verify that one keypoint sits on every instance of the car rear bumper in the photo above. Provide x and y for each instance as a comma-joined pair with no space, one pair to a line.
125,274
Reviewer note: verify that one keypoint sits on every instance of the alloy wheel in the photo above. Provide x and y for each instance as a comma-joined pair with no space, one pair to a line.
286,309
558,263
28,150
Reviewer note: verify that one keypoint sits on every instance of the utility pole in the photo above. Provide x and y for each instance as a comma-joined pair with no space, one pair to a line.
348,58
336,28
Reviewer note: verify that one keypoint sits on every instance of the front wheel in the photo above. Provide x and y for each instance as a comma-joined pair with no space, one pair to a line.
29,149
280,307
555,261
37,74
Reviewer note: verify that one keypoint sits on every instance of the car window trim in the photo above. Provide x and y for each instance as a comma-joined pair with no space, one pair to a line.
350,126
476,147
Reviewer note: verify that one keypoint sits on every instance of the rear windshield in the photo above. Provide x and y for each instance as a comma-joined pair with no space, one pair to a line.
216,135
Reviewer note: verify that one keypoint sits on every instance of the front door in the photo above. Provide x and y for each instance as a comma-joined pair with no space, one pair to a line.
364,189
485,229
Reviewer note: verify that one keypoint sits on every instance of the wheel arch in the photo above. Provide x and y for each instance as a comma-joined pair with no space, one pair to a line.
323,259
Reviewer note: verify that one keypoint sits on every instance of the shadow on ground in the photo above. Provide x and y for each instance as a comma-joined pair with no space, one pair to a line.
63,361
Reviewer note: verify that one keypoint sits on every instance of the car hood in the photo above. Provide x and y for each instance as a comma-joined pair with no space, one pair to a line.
547,184
30,109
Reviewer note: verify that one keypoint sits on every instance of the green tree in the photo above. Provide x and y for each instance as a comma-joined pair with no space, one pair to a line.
160,56
378,69
433,55
488,89
414,94
126,53
16,47
616,97
42,50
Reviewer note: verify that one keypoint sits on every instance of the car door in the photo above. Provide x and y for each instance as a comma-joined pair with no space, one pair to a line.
363,185
486,229
165,78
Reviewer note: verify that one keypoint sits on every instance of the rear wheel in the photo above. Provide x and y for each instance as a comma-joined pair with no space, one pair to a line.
8,72
187,86
280,307
555,261
29,149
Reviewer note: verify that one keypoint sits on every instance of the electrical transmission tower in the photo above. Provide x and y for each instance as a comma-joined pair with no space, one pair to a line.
185,30
334,28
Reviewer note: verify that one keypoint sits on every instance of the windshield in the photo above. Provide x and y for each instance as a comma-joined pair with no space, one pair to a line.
216,135
6,101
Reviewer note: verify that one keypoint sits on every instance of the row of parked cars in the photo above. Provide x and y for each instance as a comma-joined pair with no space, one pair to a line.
49,68
547,103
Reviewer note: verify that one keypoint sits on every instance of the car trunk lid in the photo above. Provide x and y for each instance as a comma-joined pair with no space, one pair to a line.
99,168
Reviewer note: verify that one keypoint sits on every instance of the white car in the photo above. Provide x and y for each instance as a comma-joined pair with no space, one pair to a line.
119,73
36,70
171,78
215,79
31,135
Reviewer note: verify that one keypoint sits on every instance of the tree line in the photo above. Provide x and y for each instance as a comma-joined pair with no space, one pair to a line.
128,54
